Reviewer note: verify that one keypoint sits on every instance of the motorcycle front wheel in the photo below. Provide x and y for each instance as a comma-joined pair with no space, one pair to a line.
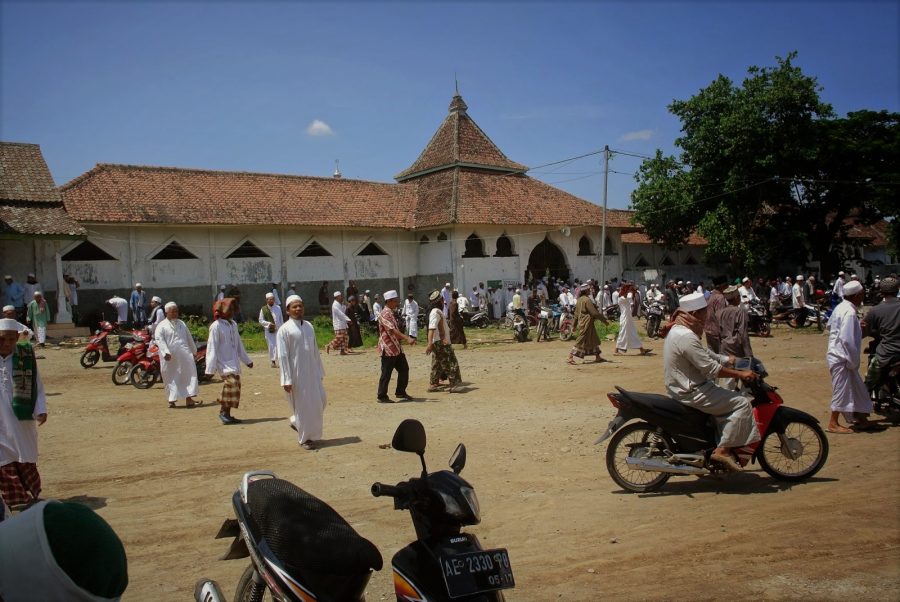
90,358
248,590
142,378
565,331
636,440
653,327
796,454
765,329
120,373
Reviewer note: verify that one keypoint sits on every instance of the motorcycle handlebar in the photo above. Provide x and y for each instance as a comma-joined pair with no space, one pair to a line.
380,489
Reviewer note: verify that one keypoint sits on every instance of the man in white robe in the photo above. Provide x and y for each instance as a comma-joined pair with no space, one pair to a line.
839,285
849,394
177,364
157,315
224,354
411,315
270,319
22,409
446,294
302,374
25,333
121,307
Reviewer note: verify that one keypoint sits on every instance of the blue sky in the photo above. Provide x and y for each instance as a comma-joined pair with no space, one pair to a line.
288,87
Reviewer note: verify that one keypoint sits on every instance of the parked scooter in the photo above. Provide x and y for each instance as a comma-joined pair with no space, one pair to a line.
884,386
654,311
758,319
146,371
566,324
675,439
98,347
133,353
476,319
519,326
543,325
301,549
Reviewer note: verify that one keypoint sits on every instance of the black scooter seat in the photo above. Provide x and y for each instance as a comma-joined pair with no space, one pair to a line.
306,534
662,404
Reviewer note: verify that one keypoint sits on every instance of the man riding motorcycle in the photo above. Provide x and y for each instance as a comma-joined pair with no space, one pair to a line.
690,372
882,323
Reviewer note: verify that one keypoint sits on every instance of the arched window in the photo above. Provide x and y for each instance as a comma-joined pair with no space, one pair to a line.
608,248
584,246
442,237
424,240
504,247
474,246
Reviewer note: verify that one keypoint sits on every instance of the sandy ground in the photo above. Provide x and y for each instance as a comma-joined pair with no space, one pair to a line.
164,478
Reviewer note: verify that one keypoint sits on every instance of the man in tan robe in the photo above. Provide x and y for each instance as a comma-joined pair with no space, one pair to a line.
586,313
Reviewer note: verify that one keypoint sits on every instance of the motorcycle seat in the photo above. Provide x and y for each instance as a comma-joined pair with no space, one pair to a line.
306,534
661,402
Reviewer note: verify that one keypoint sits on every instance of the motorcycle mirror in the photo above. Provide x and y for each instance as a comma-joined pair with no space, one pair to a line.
458,459
410,437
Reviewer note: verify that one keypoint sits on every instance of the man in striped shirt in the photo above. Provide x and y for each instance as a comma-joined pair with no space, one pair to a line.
391,351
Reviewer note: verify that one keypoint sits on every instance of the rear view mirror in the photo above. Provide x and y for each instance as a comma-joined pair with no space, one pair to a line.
458,459
409,437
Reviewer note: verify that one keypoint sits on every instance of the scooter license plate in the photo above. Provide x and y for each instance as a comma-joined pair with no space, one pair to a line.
475,572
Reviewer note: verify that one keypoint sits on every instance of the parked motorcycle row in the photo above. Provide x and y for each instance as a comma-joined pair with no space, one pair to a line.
137,358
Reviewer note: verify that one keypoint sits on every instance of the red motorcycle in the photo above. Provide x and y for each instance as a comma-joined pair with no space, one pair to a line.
675,439
146,372
134,352
98,347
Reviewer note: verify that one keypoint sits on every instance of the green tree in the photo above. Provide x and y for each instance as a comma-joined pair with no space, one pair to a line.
765,172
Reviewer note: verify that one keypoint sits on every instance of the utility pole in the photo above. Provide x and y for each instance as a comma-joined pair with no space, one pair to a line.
603,228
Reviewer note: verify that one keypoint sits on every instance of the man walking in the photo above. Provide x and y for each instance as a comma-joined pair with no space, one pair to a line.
339,322
38,317
302,374
446,295
411,315
798,300
177,364
389,348
443,362
23,407
224,354
271,319
715,304
138,304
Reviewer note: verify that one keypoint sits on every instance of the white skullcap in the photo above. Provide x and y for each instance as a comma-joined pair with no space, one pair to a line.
854,277
221,287
692,302
291,299
157,299
170,305
840,273
518,290
681,282
30,275
9,324
799,276
8,277
391,294
9,308
337,294
36,293
270,296
137,284
745,279
447,284
852,287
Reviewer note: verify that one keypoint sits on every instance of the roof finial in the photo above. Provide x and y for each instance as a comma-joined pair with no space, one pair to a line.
337,170
456,83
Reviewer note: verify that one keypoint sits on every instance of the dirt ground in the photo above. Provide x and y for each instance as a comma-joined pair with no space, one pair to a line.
163,478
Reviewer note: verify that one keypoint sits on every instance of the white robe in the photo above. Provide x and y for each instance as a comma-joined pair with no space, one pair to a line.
628,334
301,367
411,315
271,337
447,295
849,392
179,374
224,349
18,438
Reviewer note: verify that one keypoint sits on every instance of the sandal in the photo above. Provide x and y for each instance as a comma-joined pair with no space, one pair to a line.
570,361
839,430
433,389
193,403
171,404
645,351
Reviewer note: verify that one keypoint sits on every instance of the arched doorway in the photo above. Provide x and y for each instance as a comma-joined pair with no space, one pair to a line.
547,256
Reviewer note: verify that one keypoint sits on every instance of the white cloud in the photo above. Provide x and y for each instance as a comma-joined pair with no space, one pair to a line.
319,128
637,135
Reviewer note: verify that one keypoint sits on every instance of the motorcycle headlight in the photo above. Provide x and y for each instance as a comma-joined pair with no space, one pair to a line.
463,508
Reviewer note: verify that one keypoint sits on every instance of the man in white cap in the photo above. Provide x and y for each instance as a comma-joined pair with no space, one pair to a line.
274,293
221,294
31,287
23,406
340,322
271,319
446,295
25,333
690,373
157,314
376,307
849,395
177,363
224,354
411,315
61,552
120,306
839,282
302,374
138,304
38,316
390,341
798,300
517,303
747,292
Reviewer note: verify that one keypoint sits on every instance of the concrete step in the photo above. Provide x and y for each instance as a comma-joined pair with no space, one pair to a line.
60,331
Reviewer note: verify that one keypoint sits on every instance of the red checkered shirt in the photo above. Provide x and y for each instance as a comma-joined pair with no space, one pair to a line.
389,333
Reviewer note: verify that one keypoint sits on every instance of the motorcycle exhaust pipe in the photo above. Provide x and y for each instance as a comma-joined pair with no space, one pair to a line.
659,465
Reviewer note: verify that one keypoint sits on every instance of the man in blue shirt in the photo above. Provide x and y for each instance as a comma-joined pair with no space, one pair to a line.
138,305
14,294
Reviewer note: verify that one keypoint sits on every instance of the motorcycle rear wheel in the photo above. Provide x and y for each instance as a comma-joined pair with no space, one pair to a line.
248,590
120,373
541,332
141,377
636,440
765,330
90,358
804,439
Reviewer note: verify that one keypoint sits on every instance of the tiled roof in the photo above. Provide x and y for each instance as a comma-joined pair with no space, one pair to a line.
129,193
30,204
459,142
640,238
872,235
24,175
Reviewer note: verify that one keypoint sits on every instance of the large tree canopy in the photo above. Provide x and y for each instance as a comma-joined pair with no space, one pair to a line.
766,171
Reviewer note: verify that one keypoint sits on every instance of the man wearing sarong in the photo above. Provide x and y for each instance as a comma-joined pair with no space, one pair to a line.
339,321
849,395
271,319
224,354
38,317
390,340
302,374
177,363
690,371
443,362
23,407
586,313
454,317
